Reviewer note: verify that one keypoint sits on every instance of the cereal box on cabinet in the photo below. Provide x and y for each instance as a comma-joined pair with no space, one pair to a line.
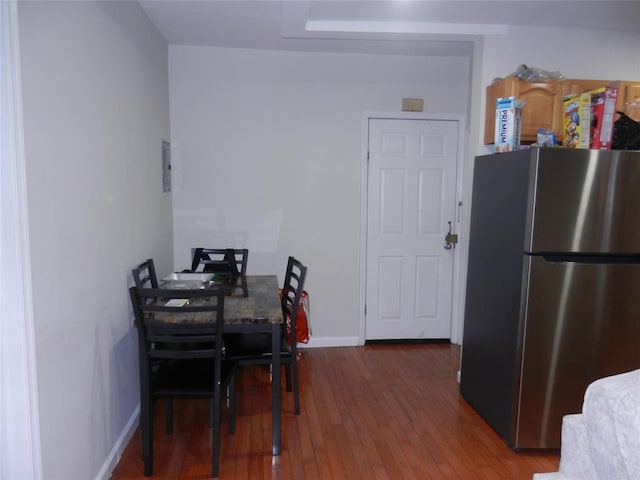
576,119
603,109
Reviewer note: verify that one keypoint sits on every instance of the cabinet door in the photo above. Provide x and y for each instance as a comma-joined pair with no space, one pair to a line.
543,100
573,87
629,99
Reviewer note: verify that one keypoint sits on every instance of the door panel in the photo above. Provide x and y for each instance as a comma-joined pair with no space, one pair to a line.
411,199
429,194
389,294
392,191
427,280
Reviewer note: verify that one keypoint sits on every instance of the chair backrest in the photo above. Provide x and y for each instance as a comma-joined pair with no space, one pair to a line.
291,293
225,261
178,323
144,275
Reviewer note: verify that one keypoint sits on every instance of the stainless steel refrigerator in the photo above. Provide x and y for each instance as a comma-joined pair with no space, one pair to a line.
553,286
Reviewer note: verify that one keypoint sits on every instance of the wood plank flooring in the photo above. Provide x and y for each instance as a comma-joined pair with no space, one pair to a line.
373,413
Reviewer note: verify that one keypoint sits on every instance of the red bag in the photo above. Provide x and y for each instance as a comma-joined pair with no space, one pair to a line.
303,326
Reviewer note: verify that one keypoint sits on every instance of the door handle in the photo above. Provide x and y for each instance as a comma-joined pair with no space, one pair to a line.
450,239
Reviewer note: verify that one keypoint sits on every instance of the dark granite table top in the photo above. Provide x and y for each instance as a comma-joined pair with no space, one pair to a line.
251,300
261,304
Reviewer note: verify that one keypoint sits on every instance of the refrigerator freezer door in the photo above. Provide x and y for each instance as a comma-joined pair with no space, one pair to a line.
582,322
585,201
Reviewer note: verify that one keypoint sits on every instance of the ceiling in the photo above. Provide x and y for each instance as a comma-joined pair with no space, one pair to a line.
408,27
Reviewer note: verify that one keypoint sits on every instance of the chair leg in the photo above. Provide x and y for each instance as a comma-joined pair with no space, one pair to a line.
168,407
215,432
231,405
296,389
146,424
287,376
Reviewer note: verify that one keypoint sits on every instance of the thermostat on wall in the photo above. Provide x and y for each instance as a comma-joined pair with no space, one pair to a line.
412,104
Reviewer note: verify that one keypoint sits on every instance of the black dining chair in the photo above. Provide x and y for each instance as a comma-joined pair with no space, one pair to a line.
180,347
224,261
144,275
255,348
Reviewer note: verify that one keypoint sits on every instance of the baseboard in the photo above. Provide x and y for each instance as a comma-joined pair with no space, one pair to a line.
117,450
316,342
407,341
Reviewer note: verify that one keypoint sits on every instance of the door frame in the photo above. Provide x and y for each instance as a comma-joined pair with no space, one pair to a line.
457,302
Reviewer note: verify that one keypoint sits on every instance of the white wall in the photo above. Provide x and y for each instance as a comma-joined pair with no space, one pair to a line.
95,87
267,155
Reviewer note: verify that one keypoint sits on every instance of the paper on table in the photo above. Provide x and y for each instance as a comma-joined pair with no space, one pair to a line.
177,302
190,276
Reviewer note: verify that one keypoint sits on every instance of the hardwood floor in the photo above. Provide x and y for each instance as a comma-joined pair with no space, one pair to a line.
373,412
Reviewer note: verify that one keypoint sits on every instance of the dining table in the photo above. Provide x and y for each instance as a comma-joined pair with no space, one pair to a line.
251,305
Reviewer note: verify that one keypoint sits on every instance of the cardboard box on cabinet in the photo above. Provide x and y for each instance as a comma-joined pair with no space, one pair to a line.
508,124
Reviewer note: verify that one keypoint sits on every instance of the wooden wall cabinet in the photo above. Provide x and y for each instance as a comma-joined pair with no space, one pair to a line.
542,99
629,99
544,103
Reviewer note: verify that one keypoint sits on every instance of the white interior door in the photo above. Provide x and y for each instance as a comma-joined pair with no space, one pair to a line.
411,200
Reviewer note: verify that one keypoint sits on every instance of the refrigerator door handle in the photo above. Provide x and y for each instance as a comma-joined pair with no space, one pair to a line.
590,258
